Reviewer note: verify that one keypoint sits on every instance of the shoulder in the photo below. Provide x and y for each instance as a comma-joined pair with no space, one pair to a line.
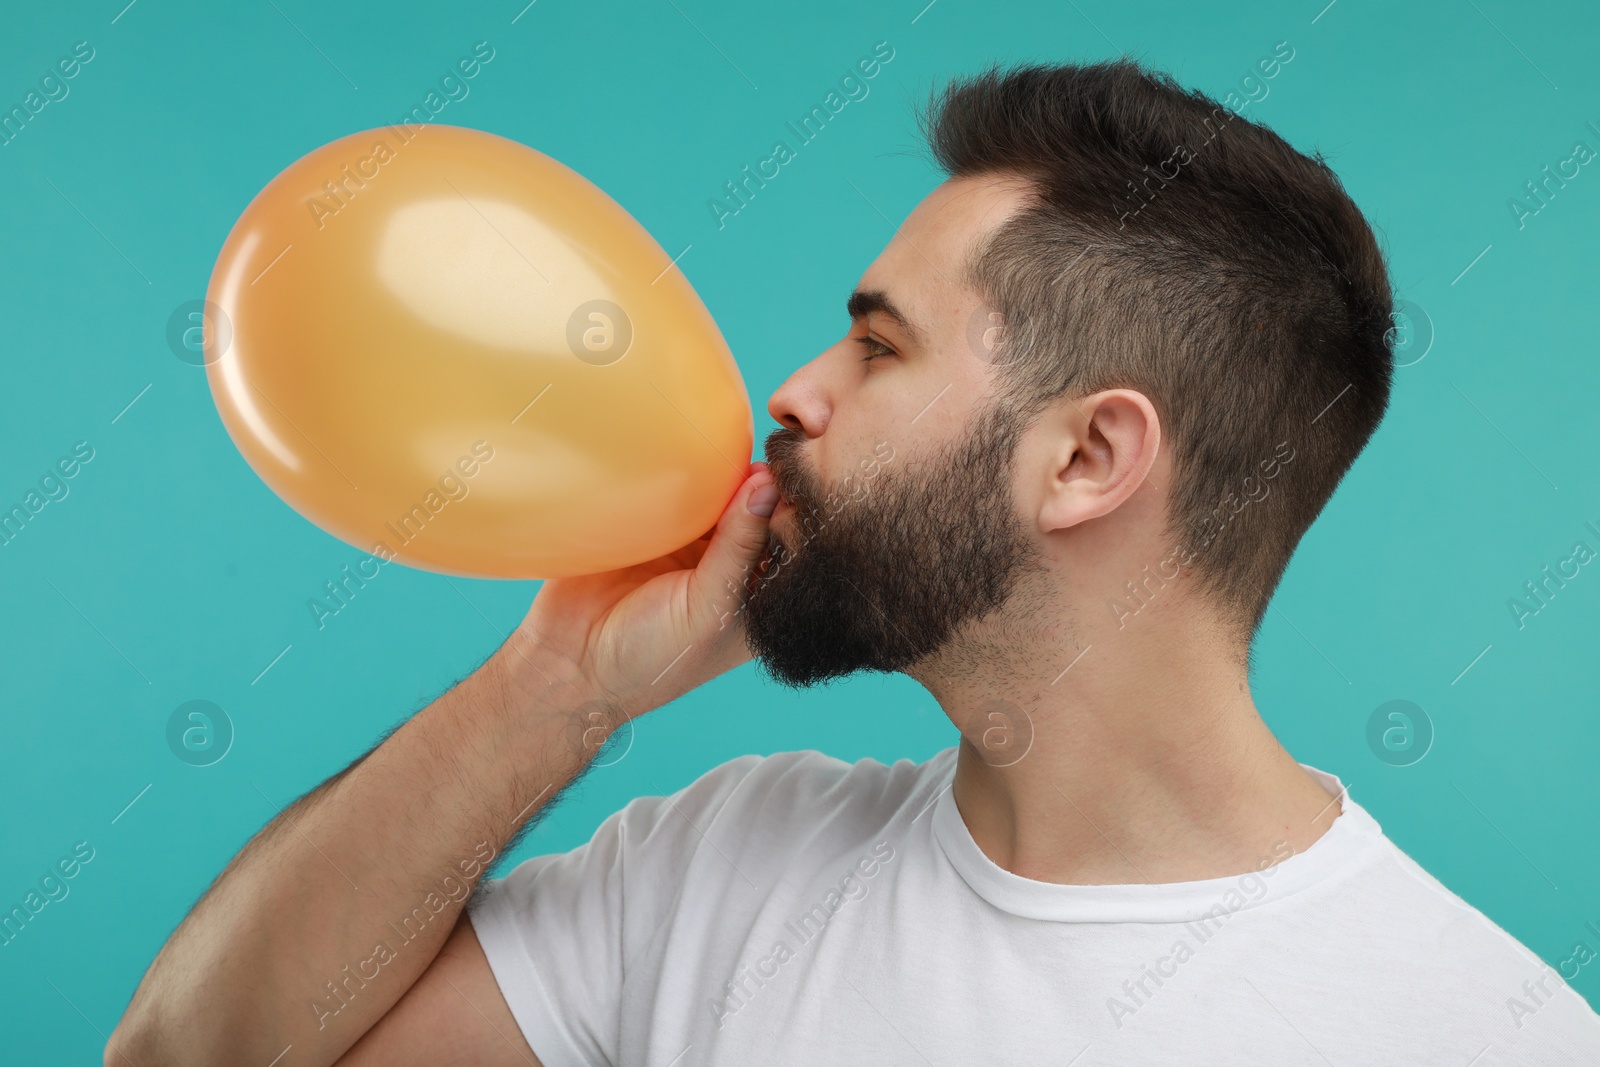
800,789
1441,950
755,822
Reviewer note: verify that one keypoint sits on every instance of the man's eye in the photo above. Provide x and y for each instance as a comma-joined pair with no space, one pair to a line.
875,348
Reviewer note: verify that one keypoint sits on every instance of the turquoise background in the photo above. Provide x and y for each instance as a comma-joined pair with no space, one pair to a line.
171,573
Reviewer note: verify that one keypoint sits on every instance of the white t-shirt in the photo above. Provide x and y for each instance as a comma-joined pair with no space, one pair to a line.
797,909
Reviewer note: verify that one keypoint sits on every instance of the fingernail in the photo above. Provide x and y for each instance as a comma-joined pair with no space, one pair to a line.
763,501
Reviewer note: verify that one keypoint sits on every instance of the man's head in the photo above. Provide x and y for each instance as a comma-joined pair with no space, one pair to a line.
1123,286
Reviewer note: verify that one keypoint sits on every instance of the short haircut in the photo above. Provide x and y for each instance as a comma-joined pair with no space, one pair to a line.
1179,249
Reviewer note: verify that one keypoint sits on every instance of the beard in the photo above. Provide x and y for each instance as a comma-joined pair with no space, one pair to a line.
882,575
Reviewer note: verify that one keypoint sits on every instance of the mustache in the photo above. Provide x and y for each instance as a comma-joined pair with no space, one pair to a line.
782,448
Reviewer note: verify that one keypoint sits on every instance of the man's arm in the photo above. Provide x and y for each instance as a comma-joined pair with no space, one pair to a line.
284,950
454,1016
328,916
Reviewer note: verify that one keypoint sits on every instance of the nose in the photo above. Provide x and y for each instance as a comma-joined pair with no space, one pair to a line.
803,401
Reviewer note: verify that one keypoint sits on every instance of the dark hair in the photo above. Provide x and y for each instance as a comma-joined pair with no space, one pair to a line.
1176,248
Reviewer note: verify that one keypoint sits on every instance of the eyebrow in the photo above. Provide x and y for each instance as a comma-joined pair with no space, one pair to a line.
863,302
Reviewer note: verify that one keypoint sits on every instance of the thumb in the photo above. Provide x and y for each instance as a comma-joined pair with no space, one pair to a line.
723,573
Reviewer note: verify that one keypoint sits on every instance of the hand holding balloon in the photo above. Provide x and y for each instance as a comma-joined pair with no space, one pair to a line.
636,638
447,348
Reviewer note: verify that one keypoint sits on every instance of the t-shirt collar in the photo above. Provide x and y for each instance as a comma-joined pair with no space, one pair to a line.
1338,852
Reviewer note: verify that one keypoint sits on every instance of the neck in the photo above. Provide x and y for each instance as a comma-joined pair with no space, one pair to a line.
1145,762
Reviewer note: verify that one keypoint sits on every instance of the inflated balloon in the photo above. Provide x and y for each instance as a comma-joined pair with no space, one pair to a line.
449,349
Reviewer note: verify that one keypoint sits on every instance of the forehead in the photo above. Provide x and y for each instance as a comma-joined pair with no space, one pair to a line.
921,269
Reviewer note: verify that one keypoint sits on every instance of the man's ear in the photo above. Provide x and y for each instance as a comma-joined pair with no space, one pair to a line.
1106,444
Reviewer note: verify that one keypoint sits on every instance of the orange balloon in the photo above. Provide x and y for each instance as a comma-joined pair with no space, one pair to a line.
447,348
